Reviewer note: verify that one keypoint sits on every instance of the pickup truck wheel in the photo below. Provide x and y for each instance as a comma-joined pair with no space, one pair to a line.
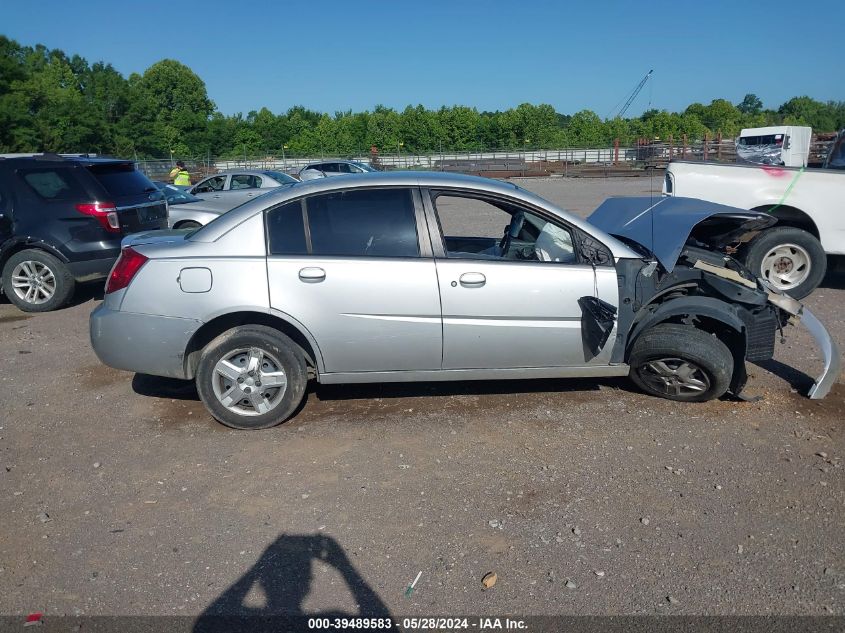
252,377
680,362
790,259
35,281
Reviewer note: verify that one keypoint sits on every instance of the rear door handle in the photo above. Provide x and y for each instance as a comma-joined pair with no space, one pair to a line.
217,196
312,274
473,279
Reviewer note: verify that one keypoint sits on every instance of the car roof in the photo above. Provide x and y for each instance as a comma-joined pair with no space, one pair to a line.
425,179
334,160
67,159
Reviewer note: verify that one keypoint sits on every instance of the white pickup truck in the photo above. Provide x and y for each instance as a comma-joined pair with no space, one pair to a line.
808,203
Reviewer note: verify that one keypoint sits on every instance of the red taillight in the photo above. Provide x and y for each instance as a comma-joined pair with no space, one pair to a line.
105,212
130,262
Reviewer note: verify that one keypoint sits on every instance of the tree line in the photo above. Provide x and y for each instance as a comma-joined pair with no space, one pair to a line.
53,102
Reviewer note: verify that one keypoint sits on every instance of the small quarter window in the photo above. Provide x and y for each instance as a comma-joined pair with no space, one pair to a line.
53,184
286,230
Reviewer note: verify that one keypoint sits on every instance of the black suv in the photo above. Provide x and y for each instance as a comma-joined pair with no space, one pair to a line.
62,219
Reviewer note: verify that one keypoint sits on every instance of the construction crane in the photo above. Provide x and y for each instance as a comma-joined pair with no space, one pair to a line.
634,94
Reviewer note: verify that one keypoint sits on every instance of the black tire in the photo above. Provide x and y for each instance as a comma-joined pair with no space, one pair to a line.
762,249
188,224
669,343
63,283
278,350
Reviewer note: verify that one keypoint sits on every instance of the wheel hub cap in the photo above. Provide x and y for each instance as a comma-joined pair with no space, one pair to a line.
249,381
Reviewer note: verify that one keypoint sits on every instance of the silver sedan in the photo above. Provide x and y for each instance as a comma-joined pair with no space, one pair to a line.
429,277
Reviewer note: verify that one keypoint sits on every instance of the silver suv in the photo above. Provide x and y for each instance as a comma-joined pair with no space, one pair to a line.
426,277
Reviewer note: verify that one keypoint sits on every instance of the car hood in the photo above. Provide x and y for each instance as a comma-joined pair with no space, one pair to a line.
664,225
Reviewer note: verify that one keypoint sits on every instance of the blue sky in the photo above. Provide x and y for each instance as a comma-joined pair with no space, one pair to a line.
491,54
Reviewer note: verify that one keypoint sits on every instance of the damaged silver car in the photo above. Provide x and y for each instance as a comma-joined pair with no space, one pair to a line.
408,276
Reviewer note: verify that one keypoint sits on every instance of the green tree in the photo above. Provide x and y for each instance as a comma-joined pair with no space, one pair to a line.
750,104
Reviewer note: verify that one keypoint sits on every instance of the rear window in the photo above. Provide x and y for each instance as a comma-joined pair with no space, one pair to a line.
53,184
122,179
280,177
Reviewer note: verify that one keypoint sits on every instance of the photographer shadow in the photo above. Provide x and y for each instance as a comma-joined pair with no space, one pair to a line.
283,576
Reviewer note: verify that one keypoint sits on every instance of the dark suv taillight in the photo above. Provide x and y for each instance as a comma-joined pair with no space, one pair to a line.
105,212
128,264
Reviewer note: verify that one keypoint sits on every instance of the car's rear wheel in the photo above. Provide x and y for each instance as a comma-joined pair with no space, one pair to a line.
36,281
252,377
680,362
188,224
791,259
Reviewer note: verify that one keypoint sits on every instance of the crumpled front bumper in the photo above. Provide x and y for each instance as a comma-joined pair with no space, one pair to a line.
830,354
830,351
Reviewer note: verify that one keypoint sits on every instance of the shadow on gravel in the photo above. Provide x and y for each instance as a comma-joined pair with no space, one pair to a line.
158,387
796,379
578,387
270,596
86,292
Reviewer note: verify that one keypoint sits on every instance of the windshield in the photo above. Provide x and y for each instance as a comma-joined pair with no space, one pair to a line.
281,178
175,195
836,160
364,166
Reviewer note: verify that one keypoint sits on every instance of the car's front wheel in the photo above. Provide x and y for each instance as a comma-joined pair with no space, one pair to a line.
252,377
680,362
35,281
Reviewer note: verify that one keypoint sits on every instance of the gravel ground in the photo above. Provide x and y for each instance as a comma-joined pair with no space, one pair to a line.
120,495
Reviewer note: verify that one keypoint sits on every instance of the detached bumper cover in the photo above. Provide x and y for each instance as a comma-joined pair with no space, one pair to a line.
142,343
830,354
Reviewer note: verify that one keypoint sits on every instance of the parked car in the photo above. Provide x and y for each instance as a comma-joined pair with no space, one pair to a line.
333,168
61,222
186,211
383,278
226,190
808,203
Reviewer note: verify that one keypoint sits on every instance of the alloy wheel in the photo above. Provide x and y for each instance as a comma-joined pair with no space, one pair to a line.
33,282
675,377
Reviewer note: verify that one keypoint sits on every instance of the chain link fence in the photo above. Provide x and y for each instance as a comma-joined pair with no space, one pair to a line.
615,160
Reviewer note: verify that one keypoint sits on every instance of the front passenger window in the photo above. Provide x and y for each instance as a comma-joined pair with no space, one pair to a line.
480,228
211,184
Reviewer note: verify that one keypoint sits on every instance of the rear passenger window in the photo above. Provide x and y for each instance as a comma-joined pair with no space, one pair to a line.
364,223
286,230
244,181
53,184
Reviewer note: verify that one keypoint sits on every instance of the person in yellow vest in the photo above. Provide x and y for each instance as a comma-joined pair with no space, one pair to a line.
179,175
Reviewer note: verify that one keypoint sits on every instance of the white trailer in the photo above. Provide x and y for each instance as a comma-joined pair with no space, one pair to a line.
782,145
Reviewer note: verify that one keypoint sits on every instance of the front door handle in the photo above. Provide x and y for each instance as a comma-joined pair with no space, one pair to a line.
473,279
217,196
312,274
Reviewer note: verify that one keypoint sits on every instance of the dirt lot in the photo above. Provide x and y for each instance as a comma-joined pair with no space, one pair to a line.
121,496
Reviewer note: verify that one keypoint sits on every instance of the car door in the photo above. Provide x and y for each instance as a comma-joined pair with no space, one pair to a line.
349,266
212,191
242,188
518,308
